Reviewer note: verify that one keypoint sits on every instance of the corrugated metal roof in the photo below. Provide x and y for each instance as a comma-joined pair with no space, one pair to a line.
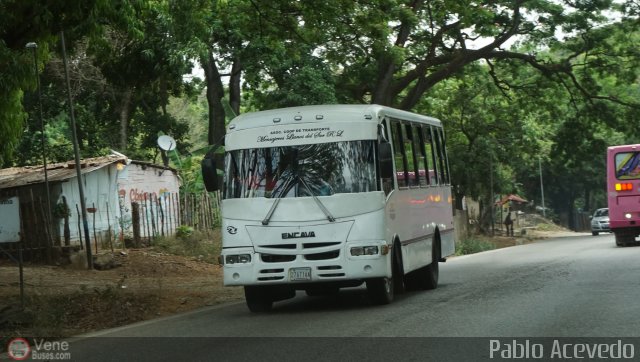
21,176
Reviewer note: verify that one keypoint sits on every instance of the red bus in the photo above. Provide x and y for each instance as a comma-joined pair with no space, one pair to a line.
623,192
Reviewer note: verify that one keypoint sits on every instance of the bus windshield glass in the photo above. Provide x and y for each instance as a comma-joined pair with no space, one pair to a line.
627,165
304,170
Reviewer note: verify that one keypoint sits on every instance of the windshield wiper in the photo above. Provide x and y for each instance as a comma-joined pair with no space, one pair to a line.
317,200
285,189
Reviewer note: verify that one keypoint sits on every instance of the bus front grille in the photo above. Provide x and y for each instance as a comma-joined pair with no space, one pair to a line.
329,267
280,246
323,256
276,258
318,245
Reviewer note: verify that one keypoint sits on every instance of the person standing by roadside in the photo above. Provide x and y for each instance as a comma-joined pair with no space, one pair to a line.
508,222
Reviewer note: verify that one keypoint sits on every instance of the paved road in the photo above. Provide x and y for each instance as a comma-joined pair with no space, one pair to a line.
580,286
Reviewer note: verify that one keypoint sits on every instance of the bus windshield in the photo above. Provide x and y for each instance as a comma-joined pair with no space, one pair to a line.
628,165
304,170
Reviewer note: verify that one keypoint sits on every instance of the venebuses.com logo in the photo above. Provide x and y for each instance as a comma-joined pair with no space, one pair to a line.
19,349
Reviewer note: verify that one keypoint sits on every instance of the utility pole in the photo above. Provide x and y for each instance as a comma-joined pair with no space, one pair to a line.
544,212
76,152
33,46
492,196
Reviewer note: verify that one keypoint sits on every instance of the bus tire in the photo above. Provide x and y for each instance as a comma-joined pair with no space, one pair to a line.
422,278
594,233
398,272
432,271
381,290
258,298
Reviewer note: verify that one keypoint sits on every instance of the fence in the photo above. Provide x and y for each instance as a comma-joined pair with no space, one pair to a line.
162,216
141,223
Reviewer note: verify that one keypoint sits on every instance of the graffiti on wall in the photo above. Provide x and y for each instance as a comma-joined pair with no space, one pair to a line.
136,195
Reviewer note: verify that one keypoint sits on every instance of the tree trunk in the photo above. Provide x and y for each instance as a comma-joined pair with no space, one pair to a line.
215,92
125,111
234,86
67,229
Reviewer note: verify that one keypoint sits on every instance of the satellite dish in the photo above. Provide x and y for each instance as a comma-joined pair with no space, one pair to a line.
166,143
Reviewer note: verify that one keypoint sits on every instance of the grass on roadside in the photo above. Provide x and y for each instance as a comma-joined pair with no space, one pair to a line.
472,246
192,243
63,315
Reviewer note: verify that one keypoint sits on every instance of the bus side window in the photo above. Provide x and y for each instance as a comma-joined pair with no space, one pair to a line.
421,155
445,157
431,155
398,154
410,153
387,183
440,155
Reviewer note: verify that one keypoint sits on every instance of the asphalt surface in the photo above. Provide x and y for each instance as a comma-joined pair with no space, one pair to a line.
578,288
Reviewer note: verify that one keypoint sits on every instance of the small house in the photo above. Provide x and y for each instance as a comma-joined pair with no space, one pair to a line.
113,185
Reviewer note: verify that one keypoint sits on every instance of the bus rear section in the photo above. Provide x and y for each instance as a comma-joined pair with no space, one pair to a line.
623,192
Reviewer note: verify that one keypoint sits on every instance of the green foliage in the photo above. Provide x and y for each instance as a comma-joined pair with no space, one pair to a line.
27,21
11,119
303,81
60,211
542,98
184,231
472,246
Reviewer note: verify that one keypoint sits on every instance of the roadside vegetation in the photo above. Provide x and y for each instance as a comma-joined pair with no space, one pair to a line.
204,246
473,245
533,100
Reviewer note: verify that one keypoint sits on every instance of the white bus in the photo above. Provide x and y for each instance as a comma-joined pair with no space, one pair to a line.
318,198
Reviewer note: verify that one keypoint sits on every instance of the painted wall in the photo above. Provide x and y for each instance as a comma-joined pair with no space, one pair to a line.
100,190
145,185
9,219
110,191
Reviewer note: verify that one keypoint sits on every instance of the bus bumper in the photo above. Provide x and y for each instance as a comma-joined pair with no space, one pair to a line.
353,261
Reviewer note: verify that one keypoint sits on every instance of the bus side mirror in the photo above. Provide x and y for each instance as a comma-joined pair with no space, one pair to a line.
210,174
386,160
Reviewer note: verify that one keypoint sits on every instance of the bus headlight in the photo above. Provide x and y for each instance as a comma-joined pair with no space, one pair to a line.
364,250
238,259
627,215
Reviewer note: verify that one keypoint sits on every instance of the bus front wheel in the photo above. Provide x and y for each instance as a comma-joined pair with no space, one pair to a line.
258,299
381,290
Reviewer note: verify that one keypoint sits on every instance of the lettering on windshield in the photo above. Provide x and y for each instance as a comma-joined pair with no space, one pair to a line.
300,133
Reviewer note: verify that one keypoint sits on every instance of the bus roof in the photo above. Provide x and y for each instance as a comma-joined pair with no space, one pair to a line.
635,147
334,112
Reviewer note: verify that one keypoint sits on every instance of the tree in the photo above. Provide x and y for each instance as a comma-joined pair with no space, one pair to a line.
27,21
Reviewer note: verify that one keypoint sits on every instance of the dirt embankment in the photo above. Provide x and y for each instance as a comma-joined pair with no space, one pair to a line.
69,300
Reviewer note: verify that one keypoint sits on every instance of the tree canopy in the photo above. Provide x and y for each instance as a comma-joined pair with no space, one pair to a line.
519,85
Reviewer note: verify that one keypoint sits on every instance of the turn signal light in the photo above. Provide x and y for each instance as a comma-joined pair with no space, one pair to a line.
624,186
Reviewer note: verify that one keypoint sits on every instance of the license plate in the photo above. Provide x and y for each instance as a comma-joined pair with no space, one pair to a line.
297,274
